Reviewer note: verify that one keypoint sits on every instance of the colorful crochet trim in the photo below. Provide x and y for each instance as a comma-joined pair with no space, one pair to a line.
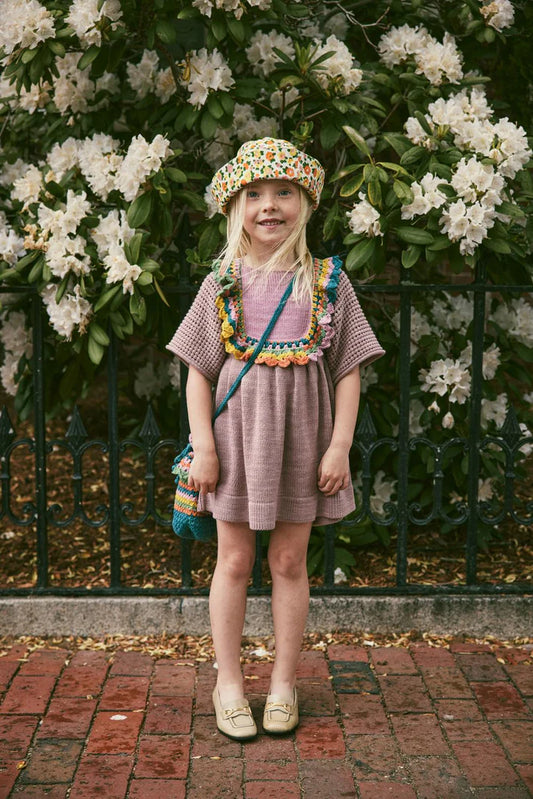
279,353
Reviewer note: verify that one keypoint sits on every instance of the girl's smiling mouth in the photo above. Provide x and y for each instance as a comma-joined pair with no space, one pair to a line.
271,222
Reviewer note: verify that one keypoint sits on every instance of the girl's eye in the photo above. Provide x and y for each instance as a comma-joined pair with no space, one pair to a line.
285,192
253,194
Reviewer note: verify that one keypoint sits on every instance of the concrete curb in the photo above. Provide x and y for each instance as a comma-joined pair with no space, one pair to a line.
505,617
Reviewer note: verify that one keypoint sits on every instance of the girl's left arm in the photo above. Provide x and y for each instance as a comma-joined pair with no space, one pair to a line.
334,469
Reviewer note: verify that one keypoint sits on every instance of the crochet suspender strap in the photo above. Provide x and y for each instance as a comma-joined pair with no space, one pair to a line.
259,346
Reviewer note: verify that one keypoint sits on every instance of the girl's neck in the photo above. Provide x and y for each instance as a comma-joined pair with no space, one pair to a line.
257,260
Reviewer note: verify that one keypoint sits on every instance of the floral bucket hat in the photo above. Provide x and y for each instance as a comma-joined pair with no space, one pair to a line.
267,159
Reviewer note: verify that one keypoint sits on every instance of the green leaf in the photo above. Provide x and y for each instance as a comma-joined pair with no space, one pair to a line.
402,191
140,210
228,103
329,135
36,271
106,297
208,241
149,265
191,199
144,279
510,209
439,243
215,107
98,334
165,31
138,308
28,55
89,56
27,259
208,125
62,288
176,175
218,28
160,292
345,171
351,186
360,254
412,156
236,28
358,140
374,192
498,245
396,168
95,350
410,256
134,247
414,235
399,143
56,47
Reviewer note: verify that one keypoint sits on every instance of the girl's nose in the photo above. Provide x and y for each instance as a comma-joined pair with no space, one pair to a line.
269,200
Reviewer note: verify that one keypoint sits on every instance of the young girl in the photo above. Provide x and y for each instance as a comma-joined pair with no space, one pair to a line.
277,458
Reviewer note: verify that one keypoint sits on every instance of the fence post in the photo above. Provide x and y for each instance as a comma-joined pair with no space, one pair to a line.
40,443
403,430
114,464
474,435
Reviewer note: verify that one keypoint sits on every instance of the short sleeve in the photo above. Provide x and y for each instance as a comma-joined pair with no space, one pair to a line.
197,340
353,343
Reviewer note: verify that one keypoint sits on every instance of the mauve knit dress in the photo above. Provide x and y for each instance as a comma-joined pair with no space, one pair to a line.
275,429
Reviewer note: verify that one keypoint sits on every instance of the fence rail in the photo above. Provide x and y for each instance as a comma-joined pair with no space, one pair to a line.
404,514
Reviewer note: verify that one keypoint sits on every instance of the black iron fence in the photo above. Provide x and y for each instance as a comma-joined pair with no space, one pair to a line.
403,514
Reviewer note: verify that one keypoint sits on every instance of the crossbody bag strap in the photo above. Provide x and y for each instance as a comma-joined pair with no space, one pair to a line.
259,346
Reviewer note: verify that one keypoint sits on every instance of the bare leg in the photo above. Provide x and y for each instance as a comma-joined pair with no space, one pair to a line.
227,603
287,554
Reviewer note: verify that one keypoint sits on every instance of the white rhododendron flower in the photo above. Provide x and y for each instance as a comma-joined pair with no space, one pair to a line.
212,207
165,85
288,99
437,62
448,421
86,16
111,229
416,409
208,72
67,254
206,7
338,74
447,377
24,24
260,52
494,411
383,491
499,14
64,221
420,326
174,373
142,76
246,125
119,269
71,313
427,195
11,244
150,380
467,224
491,359
16,342
28,187
453,313
100,163
75,92
363,218
516,318
141,159
30,100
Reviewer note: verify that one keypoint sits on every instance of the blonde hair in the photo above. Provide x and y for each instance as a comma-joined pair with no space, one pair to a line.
294,247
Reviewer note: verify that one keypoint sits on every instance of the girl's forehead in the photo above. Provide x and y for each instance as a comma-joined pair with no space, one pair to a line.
274,182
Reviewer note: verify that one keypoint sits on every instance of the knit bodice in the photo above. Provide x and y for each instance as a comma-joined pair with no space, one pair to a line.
315,335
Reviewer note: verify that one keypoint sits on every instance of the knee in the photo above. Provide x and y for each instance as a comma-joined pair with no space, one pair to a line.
237,566
287,565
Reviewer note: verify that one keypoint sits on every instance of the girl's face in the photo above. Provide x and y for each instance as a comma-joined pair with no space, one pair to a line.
271,212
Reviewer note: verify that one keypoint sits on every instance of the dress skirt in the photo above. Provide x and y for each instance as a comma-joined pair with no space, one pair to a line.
270,439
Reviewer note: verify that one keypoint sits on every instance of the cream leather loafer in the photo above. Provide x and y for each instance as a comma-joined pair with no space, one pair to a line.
234,718
280,716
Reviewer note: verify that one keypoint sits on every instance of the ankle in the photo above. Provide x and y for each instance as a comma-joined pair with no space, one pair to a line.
228,691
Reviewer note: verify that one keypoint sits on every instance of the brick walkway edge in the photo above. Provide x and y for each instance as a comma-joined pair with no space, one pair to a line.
419,722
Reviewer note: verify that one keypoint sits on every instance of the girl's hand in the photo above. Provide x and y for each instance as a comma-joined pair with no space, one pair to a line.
205,471
334,471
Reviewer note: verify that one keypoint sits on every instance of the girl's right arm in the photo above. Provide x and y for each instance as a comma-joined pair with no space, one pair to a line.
204,472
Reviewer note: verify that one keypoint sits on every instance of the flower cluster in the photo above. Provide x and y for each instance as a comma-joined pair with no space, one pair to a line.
206,7
16,342
499,14
88,16
363,218
74,91
146,77
478,187
11,244
30,100
437,62
24,25
71,313
110,235
65,248
150,380
338,75
516,318
141,159
447,377
260,53
208,72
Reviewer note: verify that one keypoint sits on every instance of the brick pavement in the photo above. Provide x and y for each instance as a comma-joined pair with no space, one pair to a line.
418,722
